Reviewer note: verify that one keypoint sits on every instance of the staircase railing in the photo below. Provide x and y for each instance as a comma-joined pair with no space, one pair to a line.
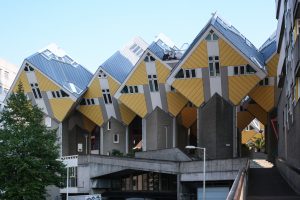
239,186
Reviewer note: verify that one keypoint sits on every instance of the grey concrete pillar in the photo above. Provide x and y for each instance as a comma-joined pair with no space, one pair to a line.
101,141
144,134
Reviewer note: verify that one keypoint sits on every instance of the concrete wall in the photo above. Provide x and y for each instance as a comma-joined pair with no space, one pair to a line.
108,137
173,154
159,130
216,120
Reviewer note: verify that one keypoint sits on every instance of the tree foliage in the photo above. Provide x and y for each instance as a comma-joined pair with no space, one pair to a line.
28,151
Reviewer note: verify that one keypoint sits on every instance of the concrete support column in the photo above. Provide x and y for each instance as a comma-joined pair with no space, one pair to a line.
126,140
101,141
235,137
144,134
179,187
174,132
60,139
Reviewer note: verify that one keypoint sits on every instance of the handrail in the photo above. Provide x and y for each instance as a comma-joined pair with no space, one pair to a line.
237,186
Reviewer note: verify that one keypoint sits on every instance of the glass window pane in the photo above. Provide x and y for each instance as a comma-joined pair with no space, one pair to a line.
156,85
193,73
236,70
187,73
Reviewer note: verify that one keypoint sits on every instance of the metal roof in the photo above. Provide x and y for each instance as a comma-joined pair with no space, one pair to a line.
118,66
269,47
234,36
63,70
157,50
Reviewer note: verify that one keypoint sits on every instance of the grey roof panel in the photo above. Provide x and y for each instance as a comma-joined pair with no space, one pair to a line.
157,50
268,48
64,73
118,66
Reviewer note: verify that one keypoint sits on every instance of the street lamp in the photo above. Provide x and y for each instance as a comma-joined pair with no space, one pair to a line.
204,155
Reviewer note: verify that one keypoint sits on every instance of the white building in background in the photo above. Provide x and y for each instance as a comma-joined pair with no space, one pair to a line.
8,73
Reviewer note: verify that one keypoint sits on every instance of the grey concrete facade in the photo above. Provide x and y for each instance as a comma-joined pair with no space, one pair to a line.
116,128
215,131
159,130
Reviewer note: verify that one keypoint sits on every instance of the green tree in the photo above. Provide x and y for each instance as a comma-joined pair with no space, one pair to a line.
28,151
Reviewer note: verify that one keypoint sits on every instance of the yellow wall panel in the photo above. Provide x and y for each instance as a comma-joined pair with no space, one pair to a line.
175,102
126,114
88,124
188,116
136,102
192,89
93,112
264,96
94,91
240,86
139,76
22,79
247,135
60,107
198,58
243,119
228,56
258,112
162,72
113,85
45,84
272,65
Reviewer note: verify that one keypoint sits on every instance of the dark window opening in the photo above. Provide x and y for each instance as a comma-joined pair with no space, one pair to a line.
63,93
193,73
236,70
125,89
179,74
82,102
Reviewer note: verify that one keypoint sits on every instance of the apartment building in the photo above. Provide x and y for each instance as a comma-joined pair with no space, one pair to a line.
123,130
288,83
8,73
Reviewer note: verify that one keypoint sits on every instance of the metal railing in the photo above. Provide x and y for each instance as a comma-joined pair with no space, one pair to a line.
239,186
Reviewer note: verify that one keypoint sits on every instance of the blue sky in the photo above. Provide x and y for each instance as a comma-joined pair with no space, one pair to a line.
92,30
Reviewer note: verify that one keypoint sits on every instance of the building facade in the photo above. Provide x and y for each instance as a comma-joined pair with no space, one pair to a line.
8,73
123,131
288,73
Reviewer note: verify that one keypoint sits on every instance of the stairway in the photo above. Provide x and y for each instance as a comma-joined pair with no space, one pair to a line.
267,184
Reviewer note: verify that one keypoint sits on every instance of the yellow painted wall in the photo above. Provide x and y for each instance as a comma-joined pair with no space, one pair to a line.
94,91
228,56
264,96
126,114
240,86
139,76
45,84
250,135
192,89
175,102
136,102
258,112
22,79
272,65
198,58
162,72
243,119
188,116
93,112
113,85
60,107
88,124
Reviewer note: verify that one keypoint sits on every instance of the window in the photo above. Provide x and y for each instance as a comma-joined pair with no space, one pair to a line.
88,102
72,177
242,69
211,36
116,138
250,70
264,82
48,122
28,68
106,96
236,70
153,83
102,74
149,58
59,94
130,89
187,73
36,91
108,125
214,67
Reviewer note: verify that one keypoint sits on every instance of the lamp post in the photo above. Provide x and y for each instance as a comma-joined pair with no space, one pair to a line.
204,159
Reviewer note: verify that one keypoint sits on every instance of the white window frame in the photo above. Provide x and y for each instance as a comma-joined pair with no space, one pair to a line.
153,83
108,126
118,138
214,62
106,96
